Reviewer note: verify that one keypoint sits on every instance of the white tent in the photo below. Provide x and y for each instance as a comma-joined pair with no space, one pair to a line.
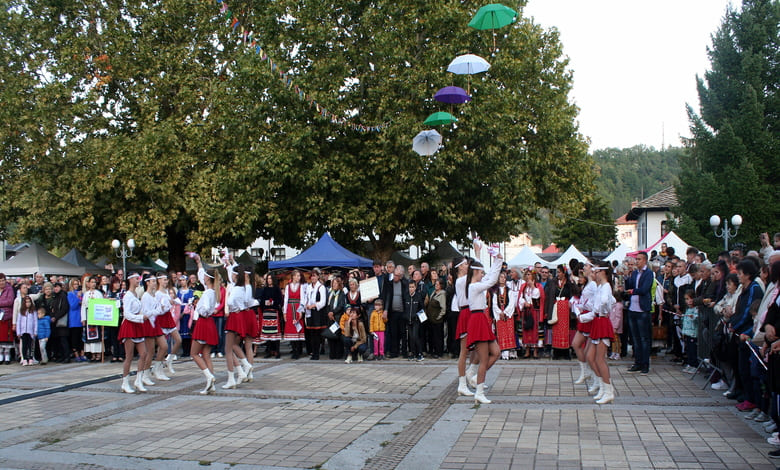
526,257
618,255
672,240
571,253
36,259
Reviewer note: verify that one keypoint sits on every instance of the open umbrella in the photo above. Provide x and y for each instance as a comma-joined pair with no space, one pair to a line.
437,119
452,95
468,64
426,142
493,16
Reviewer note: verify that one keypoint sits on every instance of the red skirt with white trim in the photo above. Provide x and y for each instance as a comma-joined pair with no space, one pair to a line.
480,328
585,328
252,329
463,322
131,330
165,321
236,323
206,330
151,331
602,328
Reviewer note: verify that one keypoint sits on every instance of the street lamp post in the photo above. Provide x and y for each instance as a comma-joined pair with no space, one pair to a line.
725,233
121,252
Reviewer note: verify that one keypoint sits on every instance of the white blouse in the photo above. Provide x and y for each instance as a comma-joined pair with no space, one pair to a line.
132,308
207,304
509,308
604,300
477,298
90,294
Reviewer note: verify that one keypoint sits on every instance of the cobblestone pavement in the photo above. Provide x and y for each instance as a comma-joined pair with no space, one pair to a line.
377,415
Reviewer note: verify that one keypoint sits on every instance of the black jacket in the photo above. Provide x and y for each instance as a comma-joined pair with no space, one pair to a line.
387,293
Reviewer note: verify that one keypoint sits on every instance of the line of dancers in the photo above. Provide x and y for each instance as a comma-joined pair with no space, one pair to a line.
147,320
478,339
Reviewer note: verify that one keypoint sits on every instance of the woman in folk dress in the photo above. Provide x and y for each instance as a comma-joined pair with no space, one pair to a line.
560,329
271,302
504,303
293,314
94,343
529,302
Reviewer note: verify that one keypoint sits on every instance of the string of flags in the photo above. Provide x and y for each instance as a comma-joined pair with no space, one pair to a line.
248,39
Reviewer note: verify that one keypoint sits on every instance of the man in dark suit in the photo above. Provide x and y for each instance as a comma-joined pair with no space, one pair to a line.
638,287
395,295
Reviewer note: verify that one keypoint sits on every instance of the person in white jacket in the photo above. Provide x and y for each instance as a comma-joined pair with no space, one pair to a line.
480,336
204,334
131,333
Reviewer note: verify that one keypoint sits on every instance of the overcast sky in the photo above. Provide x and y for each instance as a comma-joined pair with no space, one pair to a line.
635,63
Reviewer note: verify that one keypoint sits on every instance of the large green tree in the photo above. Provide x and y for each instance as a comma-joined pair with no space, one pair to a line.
734,156
156,120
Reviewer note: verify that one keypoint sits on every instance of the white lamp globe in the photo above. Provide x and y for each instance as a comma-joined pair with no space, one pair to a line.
714,221
736,220
115,244
131,243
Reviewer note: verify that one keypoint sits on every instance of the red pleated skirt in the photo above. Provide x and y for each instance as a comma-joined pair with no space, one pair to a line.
166,321
151,331
236,322
252,328
131,330
206,330
585,328
463,322
480,328
602,328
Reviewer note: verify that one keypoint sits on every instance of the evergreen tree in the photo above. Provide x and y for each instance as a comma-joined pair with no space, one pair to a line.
734,156
593,229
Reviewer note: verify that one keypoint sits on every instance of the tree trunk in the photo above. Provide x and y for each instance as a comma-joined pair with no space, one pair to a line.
176,242
384,246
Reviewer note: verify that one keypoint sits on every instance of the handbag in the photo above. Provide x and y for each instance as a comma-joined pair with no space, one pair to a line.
329,334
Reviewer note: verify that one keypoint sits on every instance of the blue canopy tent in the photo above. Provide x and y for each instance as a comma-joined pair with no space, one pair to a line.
325,253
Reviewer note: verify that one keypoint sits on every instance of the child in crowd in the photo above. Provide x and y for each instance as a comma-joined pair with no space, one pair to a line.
27,329
616,318
44,331
377,328
690,328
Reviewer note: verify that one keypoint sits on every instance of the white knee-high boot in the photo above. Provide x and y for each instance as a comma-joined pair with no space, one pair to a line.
126,387
231,383
463,388
608,396
139,381
209,382
584,373
594,389
480,397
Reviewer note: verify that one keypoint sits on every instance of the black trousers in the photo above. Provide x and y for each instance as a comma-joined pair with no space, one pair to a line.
394,333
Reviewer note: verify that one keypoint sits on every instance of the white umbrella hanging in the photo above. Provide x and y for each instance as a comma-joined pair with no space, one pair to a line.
426,142
468,64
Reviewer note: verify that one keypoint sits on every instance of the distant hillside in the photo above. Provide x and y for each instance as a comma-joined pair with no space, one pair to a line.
634,173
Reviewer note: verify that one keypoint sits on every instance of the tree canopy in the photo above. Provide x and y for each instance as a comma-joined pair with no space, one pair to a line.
734,153
593,229
161,121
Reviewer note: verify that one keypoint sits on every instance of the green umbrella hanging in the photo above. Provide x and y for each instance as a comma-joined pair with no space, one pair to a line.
437,119
493,16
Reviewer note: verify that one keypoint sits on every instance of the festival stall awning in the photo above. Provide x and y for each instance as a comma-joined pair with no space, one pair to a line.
76,258
672,240
620,253
325,253
36,259
571,253
525,258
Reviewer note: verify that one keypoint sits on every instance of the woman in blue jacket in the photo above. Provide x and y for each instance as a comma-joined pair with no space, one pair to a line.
74,321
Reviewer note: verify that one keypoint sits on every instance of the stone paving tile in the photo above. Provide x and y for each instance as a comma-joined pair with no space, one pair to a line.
24,414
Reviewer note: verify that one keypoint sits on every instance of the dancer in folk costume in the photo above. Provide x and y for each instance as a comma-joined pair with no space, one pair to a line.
601,333
293,314
167,322
480,336
529,303
460,303
583,309
204,334
131,333
559,316
504,303
271,302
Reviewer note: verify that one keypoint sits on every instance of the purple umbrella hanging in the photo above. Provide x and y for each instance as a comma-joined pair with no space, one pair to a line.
452,95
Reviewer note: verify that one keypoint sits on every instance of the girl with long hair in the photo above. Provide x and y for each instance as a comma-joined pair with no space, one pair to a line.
460,304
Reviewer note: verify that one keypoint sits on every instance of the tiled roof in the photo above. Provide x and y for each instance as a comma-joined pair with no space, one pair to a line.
664,199
622,220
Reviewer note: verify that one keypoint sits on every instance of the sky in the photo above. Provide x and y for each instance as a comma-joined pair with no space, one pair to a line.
634,62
